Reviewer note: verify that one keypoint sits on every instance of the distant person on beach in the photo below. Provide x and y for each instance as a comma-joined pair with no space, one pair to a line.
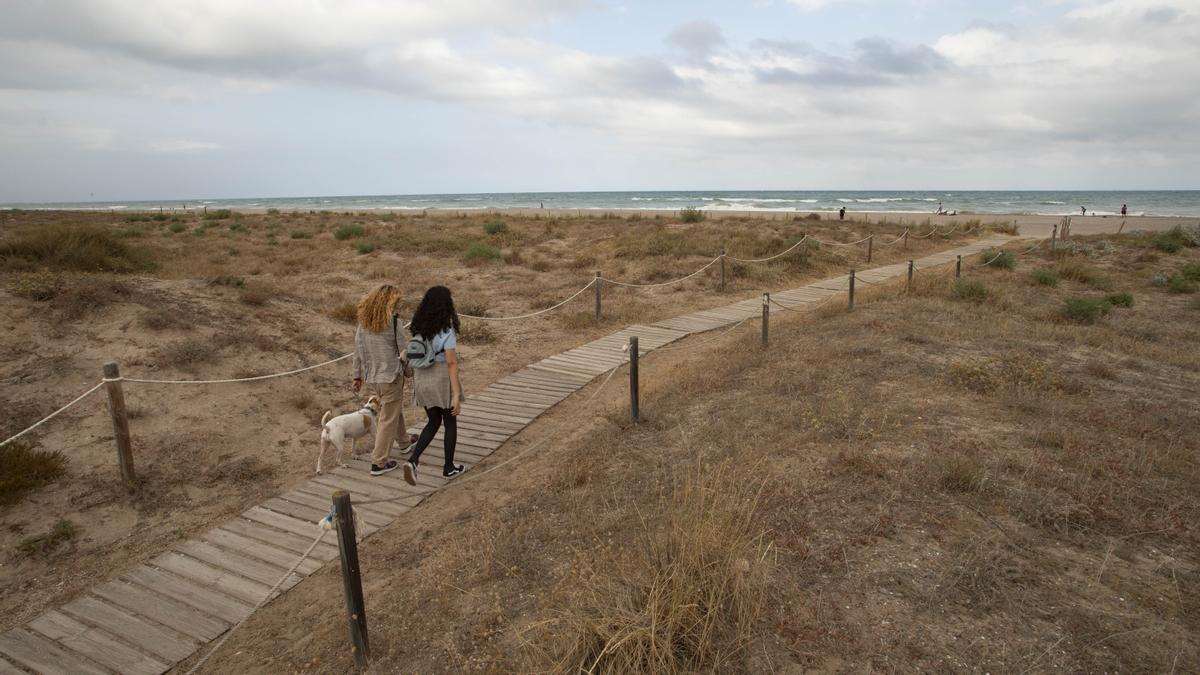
1123,210
842,213
941,210
379,359
436,387
1083,210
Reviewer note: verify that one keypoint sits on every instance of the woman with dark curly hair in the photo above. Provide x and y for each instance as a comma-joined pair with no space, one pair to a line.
433,356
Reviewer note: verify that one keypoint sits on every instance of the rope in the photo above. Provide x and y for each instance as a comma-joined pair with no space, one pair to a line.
897,239
52,415
932,232
777,255
262,602
240,379
532,314
665,283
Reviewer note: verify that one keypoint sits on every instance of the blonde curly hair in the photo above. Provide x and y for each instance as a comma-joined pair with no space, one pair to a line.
375,311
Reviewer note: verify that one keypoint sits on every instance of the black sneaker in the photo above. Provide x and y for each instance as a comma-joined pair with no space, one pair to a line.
458,468
391,465
410,473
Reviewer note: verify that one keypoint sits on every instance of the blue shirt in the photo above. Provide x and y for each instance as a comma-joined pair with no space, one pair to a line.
443,341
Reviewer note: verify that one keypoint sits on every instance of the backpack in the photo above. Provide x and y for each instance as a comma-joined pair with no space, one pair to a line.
420,352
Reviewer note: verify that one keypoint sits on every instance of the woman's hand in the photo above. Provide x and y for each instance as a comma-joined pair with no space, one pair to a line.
455,405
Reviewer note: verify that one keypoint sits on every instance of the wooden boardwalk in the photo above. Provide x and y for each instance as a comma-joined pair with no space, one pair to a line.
161,612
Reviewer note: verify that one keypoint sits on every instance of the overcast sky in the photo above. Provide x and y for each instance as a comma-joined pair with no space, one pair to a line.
128,99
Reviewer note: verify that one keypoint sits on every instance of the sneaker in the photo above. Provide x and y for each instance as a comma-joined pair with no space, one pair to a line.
458,468
412,443
391,465
410,473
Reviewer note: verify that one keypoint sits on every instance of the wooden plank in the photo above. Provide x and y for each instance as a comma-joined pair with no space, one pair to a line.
305,529
555,379
204,574
514,420
7,668
588,370
175,615
41,655
503,409
260,551
359,490
516,404
321,504
96,644
521,393
324,551
479,421
154,638
575,375
541,380
391,509
208,607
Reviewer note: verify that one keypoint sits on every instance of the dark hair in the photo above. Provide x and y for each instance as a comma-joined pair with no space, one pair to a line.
435,313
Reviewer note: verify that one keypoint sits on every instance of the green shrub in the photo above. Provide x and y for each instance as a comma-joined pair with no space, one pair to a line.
22,468
970,290
1085,310
177,227
1003,260
1045,277
227,280
1173,239
1180,284
497,227
238,227
481,251
1191,272
299,234
84,248
1119,299
349,232
218,214
160,217
365,247
43,544
272,211
137,218
691,214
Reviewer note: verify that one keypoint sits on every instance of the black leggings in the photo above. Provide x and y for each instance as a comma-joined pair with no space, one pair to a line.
438,416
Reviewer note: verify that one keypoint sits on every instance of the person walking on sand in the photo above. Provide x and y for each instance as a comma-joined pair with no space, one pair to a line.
1083,210
1124,209
379,360
842,213
436,387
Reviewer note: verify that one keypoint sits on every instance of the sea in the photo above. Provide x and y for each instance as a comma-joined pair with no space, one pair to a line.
1147,203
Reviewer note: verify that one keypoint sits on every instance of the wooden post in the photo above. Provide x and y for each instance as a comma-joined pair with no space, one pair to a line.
205,210
1053,237
722,268
870,246
634,412
851,304
804,251
116,408
597,283
958,267
351,577
766,317
906,240
908,286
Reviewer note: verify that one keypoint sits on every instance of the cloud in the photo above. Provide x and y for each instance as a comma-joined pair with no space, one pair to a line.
697,39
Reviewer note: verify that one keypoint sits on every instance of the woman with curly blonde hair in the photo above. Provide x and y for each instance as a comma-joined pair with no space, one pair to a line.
379,359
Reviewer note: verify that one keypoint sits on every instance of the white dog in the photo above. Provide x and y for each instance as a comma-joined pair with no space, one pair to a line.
353,425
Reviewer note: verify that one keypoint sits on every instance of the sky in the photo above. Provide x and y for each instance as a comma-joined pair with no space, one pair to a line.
125,99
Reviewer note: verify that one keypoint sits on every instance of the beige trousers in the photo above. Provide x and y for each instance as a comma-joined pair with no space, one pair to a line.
391,417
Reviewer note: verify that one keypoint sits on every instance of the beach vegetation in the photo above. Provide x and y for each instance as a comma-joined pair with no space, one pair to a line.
227,280
365,247
349,232
38,286
479,251
495,227
24,468
1084,310
1119,299
346,312
62,532
272,211
300,234
238,227
218,214
83,248
1191,272
176,227
1045,276
1002,260
691,214
1177,283
974,291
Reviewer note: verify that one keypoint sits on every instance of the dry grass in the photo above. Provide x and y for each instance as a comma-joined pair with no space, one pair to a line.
72,247
24,468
